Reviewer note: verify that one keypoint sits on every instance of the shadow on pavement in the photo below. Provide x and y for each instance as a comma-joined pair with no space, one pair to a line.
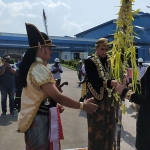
128,138
7,120
129,110
82,114
134,116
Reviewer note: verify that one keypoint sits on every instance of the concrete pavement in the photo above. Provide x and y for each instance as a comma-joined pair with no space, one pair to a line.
74,123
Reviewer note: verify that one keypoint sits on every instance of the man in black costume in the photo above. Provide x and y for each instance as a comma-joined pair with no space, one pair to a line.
101,125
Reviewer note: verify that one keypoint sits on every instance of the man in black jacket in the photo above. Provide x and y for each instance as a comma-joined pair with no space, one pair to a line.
101,124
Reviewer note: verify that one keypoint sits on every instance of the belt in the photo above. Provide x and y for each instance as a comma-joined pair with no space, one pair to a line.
45,105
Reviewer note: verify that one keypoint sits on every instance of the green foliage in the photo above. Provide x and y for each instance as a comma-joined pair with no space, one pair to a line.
92,51
70,63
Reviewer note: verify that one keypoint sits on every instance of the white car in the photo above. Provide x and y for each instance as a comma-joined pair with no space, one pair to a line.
129,72
146,64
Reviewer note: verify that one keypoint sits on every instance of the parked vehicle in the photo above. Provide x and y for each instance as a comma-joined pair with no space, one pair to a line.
129,72
146,64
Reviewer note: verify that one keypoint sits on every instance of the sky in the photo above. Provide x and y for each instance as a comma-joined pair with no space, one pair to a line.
64,17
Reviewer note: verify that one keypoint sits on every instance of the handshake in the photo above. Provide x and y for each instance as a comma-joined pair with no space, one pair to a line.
118,87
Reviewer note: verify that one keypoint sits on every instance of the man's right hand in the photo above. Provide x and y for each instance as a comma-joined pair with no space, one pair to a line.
89,106
7,65
114,83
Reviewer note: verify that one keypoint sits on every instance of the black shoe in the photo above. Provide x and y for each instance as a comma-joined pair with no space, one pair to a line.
3,114
12,114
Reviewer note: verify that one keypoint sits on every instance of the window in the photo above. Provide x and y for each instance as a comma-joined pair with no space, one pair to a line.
65,56
81,56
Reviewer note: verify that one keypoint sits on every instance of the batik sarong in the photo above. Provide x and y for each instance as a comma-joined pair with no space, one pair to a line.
101,125
45,131
36,137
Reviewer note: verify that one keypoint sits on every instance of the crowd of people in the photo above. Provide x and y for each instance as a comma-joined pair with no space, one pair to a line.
39,99
9,85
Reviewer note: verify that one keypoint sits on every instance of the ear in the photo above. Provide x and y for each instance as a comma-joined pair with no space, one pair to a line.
39,51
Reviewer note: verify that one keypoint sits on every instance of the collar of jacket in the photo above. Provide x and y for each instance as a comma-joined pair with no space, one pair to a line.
42,61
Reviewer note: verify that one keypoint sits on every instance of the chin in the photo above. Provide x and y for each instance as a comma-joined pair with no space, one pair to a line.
48,59
102,56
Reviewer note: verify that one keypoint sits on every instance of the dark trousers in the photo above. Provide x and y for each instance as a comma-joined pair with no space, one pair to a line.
59,81
79,76
11,93
17,104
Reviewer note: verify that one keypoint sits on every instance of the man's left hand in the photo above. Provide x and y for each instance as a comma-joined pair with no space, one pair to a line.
120,88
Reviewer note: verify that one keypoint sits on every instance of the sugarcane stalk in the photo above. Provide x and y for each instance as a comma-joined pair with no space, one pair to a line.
122,51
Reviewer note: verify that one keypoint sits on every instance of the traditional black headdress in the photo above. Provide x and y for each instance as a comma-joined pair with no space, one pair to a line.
37,38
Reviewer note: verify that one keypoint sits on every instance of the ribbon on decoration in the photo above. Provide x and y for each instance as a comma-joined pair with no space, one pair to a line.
55,129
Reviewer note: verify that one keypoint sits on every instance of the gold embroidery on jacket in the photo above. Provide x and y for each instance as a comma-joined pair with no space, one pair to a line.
83,90
39,75
101,74
94,93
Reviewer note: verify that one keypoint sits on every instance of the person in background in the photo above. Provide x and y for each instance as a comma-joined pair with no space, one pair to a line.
79,72
83,82
56,70
18,86
18,64
83,72
7,72
141,68
18,91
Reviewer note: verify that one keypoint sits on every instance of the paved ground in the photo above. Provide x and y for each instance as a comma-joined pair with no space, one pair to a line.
74,123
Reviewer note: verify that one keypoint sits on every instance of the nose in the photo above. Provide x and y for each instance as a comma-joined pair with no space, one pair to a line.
105,53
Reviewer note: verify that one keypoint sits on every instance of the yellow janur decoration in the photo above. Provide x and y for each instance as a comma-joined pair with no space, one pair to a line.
123,49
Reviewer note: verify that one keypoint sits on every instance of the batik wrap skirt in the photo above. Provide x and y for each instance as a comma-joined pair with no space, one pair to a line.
101,125
36,137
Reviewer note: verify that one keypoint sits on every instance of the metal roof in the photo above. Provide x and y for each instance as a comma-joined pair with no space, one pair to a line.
65,38
109,22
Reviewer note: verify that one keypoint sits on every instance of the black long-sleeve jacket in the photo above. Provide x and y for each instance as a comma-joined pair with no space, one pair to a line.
95,84
143,122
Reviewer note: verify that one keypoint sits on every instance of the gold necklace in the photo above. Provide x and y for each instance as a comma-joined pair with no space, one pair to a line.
104,74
